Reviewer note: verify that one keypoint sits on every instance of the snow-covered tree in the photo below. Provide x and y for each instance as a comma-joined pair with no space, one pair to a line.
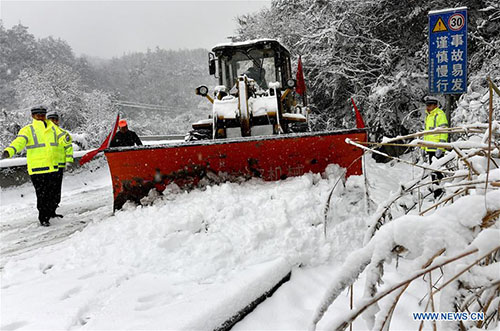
374,51
99,112
17,51
86,114
449,244
54,85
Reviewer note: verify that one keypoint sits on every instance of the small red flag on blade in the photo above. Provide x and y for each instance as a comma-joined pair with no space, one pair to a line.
90,155
301,84
360,124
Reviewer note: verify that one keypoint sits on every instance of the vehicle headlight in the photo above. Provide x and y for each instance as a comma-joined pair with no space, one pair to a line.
202,90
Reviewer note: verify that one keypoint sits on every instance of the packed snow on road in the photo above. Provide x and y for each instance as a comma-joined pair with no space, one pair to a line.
188,260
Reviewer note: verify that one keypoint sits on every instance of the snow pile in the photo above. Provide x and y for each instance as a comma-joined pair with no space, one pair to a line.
184,261
418,238
474,107
457,233
144,264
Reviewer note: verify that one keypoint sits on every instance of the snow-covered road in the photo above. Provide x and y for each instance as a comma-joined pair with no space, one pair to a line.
86,197
185,262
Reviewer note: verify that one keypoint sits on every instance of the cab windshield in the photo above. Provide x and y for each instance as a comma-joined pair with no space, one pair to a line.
258,65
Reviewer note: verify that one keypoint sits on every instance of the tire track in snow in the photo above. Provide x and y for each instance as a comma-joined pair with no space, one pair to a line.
21,233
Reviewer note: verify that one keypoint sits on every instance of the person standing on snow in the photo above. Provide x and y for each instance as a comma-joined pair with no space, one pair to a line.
125,137
435,118
40,139
64,156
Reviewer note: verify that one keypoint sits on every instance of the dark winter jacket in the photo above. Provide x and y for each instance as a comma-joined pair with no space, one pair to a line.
128,138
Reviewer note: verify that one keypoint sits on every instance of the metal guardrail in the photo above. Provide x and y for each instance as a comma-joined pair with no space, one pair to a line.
13,170
21,161
165,137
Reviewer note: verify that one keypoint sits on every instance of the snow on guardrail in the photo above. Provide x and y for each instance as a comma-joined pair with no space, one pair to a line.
147,140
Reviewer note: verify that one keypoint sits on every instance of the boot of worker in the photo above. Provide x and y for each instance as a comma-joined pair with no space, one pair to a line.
53,214
54,204
44,220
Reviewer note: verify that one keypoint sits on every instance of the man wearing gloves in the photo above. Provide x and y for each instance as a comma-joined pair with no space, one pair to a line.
40,140
64,156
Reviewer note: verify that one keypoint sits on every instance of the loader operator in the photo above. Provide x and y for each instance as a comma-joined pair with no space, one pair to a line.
40,138
125,137
64,156
258,75
435,118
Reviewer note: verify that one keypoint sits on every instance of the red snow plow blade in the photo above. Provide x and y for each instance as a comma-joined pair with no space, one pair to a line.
137,170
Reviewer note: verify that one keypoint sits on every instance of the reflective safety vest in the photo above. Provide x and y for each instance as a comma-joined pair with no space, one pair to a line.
64,150
41,142
435,119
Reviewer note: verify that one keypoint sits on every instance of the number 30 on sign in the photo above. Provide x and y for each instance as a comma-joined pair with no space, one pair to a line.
456,22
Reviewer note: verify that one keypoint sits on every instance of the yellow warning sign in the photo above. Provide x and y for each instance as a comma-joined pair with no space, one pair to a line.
440,26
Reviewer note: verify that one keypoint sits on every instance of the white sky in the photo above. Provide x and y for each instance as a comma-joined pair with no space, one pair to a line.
111,28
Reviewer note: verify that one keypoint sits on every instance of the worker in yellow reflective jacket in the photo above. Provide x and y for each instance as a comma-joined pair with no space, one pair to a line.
40,140
435,118
64,155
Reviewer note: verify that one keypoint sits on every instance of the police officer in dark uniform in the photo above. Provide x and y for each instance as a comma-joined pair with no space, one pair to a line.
64,156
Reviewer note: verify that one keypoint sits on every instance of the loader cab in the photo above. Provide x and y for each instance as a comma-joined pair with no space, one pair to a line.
264,61
255,93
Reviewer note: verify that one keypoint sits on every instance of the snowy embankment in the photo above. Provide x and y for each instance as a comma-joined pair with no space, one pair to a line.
456,235
160,266
191,260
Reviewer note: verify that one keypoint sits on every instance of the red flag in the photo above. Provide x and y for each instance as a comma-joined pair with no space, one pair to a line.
90,155
360,124
301,84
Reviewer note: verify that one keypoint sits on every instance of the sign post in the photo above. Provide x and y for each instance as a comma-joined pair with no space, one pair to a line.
448,53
